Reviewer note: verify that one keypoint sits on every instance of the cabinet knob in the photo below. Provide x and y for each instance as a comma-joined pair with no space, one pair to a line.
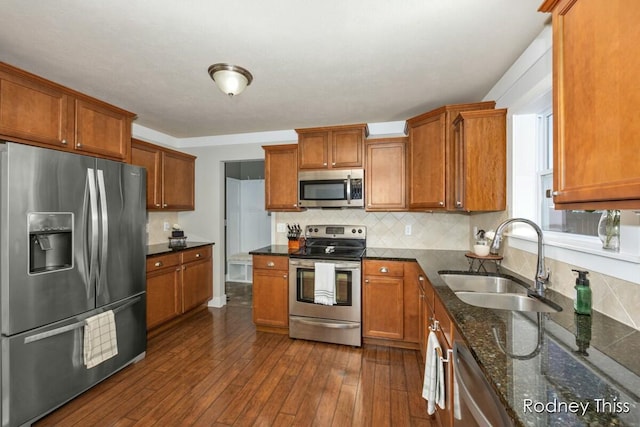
63,142
197,255
158,264
366,281
295,205
165,205
157,205
78,145
324,164
441,203
369,204
284,276
384,270
271,264
555,193
458,204
421,278
333,164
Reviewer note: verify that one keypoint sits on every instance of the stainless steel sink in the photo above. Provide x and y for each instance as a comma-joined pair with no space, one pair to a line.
473,282
506,301
497,291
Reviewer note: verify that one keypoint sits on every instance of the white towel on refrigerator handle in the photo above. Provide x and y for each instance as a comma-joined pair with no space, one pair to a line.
434,381
324,286
100,340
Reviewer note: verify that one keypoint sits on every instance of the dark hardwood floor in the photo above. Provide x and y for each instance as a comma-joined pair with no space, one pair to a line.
214,369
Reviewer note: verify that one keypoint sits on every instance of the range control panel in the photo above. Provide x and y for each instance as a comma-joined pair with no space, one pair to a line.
336,231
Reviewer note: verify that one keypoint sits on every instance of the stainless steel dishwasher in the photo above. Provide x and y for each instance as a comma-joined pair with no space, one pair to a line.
479,404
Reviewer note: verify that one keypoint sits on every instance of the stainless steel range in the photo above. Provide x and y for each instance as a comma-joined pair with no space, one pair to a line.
324,285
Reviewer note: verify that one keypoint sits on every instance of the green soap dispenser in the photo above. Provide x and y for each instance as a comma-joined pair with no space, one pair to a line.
582,303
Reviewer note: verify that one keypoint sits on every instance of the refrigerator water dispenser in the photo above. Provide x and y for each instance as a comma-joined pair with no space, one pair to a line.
50,241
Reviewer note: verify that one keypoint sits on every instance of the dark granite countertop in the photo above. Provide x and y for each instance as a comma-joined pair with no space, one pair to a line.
164,248
280,250
604,378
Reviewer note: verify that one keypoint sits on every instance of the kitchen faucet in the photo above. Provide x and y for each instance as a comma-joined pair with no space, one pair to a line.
542,275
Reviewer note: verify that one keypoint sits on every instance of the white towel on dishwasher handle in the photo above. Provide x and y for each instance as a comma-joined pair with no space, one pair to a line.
324,286
100,340
434,380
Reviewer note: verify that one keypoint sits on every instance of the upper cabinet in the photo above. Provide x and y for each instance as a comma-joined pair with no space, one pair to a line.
430,166
170,176
38,112
596,58
332,147
386,177
281,177
480,160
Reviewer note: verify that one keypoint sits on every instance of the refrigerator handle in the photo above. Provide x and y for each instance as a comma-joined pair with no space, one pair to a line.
93,248
104,243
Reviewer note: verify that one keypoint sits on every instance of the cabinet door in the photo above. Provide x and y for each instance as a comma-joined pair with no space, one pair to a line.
596,58
196,284
386,174
178,179
150,158
383,313
163,296
34,111
411,304
480,160
347,148
281,177
270,298
427,156
313,150
101,131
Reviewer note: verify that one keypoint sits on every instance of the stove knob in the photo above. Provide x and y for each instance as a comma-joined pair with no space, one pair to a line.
310,229
353,230
315,230
360,230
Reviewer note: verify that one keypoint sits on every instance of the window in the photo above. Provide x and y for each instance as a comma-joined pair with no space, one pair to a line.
564,221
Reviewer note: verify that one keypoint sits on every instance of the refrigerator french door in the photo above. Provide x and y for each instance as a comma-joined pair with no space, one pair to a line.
72,245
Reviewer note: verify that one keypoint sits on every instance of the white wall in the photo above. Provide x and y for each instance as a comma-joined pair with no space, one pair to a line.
248,223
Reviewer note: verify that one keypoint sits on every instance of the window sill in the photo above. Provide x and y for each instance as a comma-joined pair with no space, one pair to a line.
583,252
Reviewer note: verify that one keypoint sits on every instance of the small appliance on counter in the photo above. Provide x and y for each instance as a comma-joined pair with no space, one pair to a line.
177,240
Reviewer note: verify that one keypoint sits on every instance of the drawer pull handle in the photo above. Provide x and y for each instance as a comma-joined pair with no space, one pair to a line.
384,270
158,264
271,264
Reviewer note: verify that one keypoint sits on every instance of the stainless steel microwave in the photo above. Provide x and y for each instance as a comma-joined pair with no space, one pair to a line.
337,188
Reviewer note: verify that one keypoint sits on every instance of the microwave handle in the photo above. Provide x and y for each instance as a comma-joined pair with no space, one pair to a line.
348,189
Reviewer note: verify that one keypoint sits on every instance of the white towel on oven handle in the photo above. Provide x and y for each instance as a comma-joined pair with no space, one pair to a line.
324,287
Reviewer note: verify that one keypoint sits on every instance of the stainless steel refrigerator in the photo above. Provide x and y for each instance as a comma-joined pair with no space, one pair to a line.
72,245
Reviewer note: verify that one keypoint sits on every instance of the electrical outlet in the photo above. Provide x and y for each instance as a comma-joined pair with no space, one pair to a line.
166,226
407,230
281,227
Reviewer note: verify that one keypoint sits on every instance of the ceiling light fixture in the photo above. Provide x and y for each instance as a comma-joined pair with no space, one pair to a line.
230,79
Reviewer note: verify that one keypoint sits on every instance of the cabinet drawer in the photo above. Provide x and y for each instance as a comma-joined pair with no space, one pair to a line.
384,268
271,262
162,261
196,254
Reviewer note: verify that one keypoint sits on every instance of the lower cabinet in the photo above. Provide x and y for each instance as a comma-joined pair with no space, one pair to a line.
271,292
177,282
390,303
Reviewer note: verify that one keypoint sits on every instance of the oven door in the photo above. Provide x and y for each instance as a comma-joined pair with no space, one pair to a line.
301,291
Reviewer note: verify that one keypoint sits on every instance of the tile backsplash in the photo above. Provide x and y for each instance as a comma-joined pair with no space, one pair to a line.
387,229
155,226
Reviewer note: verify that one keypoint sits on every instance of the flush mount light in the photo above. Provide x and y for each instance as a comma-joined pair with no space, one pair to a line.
230,79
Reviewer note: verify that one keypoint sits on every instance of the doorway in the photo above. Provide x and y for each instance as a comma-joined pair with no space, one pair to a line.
247,226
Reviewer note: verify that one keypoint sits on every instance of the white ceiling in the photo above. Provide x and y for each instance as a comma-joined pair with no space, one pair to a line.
315,63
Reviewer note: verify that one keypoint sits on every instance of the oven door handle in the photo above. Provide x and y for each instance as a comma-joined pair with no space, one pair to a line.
326,324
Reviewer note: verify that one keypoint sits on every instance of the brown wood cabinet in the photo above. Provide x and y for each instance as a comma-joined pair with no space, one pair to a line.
281,177
596,58
430,156
271,292
178,282
390,304
386,177
331,147
170,176
480,159
39,112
